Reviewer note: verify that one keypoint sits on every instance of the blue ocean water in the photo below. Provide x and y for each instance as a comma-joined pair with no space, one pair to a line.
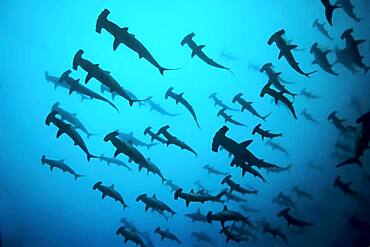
43,208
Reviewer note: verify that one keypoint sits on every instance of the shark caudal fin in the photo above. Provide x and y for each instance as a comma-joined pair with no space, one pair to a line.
162,70
266,116
78,176
89,156
309,73
353,160
132,101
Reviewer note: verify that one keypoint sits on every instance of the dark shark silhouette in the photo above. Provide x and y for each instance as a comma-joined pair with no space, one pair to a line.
308,116
321,28
201,236
109,191
338,123
171,184
308,95
302,193
348,8
174,140
122,36
134,141
60,164
154,203
114,161
231,236
166,234
197,197
321,59
154,136
277,146
156,107
76,86
212,170
345,187
228,215
197,216
278,97
264,133
275,232
236,187
70,131
180,99
219,102
344,57
232,197
329,10
130,235
285,213
246,105
197,51
228,118
286,51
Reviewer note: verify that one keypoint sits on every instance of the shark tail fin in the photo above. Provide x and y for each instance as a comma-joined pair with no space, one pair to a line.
162,70
266,116
78,176
310,73
353,160
89,156
132,101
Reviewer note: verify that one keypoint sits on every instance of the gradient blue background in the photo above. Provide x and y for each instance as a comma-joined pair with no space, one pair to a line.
43,208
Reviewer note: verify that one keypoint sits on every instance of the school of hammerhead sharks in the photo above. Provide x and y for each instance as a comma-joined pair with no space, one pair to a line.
234,225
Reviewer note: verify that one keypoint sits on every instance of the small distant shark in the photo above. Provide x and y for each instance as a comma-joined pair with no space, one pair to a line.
174,140
228,118
286,51
197,216
308,95
212,170
229,56
60,164
264,133
180,99
70,118
154,136
278,97
156,107
114,161
171,184
308,116
285,200
277,146
57,83
166,234
356,105
338,123
352,46
197,197
344,57
321,59
134,141
109,191
348,7
285,213
321,28
76,86
197,51
246,105
219,102
154,203
103,76
236,187
329,9
302,193
122,36
201,236
275,232
254,67
231,236
279,169
227,215
70,131
345,187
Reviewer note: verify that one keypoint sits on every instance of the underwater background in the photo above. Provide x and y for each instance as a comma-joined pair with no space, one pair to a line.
43,208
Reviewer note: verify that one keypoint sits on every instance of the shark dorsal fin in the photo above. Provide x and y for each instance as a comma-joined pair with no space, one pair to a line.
154,196
192,191
225,208
112,186
62,160
181,94
246,143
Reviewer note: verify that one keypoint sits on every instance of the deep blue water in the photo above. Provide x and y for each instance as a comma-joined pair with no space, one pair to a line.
43,208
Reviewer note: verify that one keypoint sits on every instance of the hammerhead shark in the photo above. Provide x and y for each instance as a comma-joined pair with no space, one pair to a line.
236,187
308,95
274,79
275,232
134,140
321,59
345,187
308,116
154,203
338,123
133,236
329,9
109,191
286,51
277,146
57,83
122,36
264,133
103,76
228,118
219,102
344,57
201,236
167,234
352,46
69,130
174,140
154,136
60,164
197,51
348,7
246,105
227,215
70,118
180,99
302,193
116,161
197,197
278,96
197,216
157,107
231,236
285,213
76,86
321,28
211,170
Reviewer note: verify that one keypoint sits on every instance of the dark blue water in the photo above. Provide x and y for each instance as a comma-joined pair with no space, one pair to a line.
43,208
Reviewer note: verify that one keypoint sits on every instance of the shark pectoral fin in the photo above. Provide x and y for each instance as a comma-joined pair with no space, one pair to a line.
276,100
59,133
281,53
51,168
116,153
291,47
116,43
187,203
102,196
88,77
71,89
